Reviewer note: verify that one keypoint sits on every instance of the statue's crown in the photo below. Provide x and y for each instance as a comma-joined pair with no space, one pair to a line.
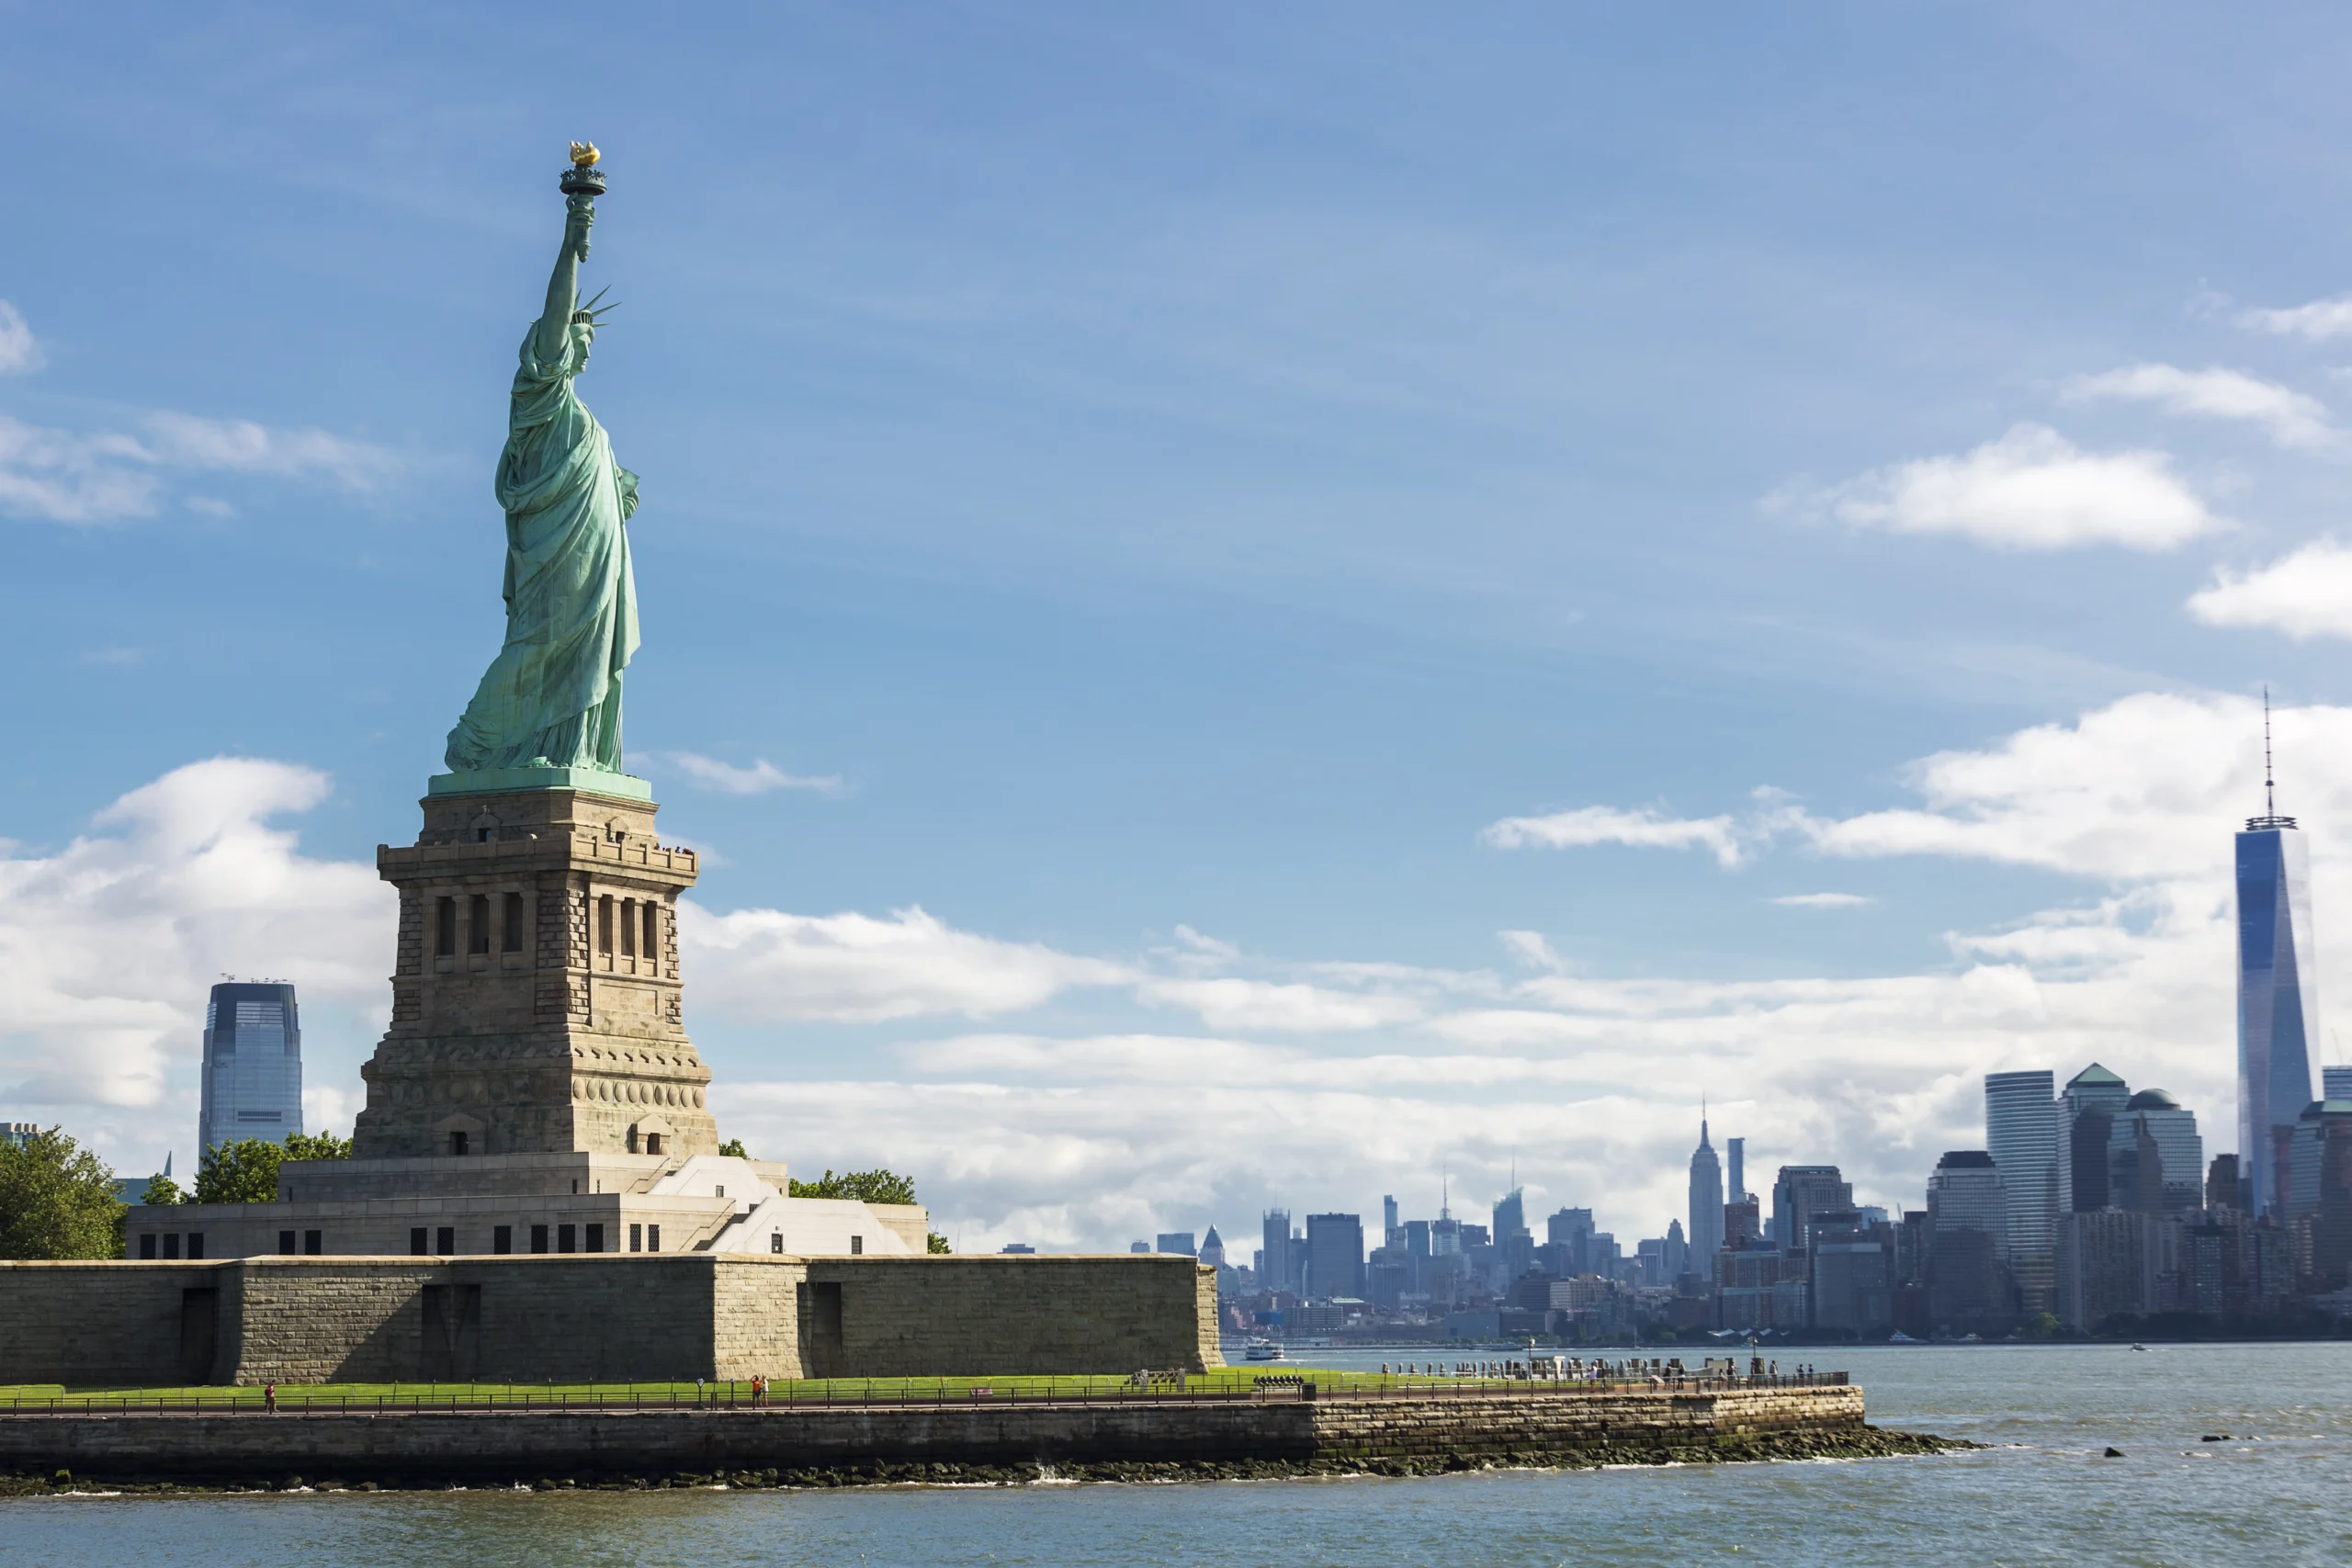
589,314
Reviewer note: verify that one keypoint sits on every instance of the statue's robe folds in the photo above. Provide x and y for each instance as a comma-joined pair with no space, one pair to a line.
552,697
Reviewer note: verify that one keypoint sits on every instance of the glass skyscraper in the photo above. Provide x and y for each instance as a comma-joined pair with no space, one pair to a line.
2278,1002
2021,1134
253,1064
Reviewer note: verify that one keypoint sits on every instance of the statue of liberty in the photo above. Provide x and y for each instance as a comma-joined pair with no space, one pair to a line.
552,697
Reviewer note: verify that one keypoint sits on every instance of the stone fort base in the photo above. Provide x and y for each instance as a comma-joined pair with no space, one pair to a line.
611,1318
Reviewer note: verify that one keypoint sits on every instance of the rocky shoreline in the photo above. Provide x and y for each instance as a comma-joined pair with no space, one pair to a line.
1868,1443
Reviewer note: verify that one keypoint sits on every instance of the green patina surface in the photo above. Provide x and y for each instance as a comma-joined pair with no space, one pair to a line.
551,699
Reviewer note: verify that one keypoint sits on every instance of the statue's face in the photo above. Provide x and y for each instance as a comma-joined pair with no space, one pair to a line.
584,338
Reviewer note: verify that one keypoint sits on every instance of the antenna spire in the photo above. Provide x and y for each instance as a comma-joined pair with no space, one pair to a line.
2269,785
2269,818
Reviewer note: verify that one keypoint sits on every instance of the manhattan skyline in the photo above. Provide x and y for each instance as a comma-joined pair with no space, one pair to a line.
1350,605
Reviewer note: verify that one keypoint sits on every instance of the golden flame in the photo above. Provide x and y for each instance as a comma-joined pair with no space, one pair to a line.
584,154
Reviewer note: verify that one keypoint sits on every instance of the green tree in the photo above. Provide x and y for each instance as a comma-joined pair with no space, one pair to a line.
246,1170
57,1200
938,1244
319,1146
733,1148
163,1191
877,1186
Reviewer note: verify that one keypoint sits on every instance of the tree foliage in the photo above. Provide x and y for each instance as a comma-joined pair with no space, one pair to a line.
57,1200
246,1170
938,1244
163,1191
733,1148
877,1186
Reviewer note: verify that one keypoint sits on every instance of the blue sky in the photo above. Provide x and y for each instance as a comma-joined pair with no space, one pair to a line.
1185,477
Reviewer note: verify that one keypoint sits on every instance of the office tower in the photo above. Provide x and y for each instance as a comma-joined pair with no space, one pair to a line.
1735,1169
2156,1161
2221,1182
1852,1273
1276,1272
1178,1242
1706,1197
1388,1213
1213,1250
1968,1227
1676,1253
253,1064
2102,1266
1965,1193
1743,1224
1334,1257
2094,1097
2277,992
1800,1191
1514,1245
2335,1082
2021,1134
2320,1196
1568,1237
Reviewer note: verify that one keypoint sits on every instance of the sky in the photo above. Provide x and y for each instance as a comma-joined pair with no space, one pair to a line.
1250,607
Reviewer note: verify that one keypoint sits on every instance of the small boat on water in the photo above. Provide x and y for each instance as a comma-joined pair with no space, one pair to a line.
1261,1351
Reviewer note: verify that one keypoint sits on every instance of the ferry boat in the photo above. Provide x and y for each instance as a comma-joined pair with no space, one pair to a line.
1261,1351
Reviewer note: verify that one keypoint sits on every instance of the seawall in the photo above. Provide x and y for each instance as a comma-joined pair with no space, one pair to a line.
885,1441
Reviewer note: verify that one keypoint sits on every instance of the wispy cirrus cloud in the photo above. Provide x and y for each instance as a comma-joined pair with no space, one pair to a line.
2030,490
1822,900
2305,593
1641,829
83,477
2294,419
2319,320
761,776
19,350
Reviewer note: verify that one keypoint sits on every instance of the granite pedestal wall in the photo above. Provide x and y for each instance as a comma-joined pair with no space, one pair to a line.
624,1317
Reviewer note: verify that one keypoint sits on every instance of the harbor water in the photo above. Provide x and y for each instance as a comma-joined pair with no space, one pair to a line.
2276,1490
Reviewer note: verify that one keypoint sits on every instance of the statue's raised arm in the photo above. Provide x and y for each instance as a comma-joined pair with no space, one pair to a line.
563,285
551,700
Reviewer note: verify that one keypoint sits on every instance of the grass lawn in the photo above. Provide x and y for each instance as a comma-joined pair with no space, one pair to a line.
370,1395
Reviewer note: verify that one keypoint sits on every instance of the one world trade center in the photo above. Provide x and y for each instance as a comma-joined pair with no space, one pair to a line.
2278,994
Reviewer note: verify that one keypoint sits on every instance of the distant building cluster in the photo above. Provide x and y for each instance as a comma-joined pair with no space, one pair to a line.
2092,1207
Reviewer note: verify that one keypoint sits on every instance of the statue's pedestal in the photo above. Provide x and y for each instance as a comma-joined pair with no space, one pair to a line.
537,1003
536,1092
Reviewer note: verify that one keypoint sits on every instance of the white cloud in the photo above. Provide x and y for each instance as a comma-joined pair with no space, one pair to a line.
2141,790
185,440
1230,1003
1532,948
109,946
19,350
758,779
766,966
2320,319
2305,594
2294,419
2031,489
1644,828
1823,900
74,477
